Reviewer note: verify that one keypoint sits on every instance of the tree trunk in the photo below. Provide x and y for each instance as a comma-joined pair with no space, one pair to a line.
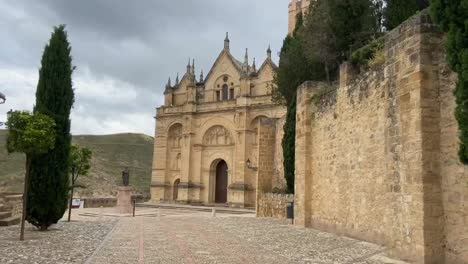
25,195
70,202
327,72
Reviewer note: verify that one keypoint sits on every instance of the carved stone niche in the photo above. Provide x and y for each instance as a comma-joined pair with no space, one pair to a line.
175,137
217,136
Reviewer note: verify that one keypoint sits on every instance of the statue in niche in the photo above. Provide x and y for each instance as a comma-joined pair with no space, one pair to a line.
177,162
176,138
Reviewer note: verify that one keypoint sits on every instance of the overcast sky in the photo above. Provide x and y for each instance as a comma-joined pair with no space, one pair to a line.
126,50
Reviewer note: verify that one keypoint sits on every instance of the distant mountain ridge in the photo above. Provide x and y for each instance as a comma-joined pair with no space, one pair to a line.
111,154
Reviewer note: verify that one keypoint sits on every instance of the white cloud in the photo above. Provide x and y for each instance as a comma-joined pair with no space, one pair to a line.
19,85
102,90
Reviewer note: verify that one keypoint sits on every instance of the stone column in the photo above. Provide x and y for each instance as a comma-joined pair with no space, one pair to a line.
237,186
185,172
265,157
303,172
416,182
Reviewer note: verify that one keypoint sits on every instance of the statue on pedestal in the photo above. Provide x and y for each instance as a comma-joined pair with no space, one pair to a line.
125,177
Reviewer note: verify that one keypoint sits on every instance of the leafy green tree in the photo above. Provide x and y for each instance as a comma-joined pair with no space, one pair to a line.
49,183
397,11
452,16
80,164
31,134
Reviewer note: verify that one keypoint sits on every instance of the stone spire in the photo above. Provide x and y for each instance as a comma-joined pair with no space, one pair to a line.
177,79
226,41
202,78
246,57
254,67
188,66
245,65
169,82
269,52
193,67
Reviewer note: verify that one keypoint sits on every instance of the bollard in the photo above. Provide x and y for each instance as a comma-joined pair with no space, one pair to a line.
290,212
213,212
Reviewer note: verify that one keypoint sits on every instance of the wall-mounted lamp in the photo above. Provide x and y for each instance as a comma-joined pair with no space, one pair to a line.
249,165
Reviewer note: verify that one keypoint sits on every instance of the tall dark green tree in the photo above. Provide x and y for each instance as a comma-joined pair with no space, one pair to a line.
453,19
294,69
49,182
398,11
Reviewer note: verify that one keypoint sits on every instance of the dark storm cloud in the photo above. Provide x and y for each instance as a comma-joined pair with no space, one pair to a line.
126,50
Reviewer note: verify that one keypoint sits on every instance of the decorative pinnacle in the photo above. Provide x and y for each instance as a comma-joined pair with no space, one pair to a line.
226,41
246,58
202,78
188,66
193,67
177,79
254,67
169,82
269,52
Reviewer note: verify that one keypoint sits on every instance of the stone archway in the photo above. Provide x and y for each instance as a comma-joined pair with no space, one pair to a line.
221,182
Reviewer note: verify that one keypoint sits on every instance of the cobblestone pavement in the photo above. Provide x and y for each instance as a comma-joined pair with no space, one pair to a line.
177,236
65,242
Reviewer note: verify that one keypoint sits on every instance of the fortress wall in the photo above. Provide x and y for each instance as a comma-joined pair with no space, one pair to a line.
376,158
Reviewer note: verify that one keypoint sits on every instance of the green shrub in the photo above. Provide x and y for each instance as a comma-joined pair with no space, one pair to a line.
370,52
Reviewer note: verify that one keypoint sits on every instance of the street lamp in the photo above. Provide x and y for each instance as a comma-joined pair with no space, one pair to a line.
249,165
2,98
2,101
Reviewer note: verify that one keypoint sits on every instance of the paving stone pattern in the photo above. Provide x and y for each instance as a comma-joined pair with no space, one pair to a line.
182,237
72,242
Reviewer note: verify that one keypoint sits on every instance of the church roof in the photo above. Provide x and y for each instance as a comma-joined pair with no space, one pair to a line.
242,68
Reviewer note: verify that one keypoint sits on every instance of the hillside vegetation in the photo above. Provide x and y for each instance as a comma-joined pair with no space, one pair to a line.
111,153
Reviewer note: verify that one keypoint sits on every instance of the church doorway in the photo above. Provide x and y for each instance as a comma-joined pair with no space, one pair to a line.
175,192
221,182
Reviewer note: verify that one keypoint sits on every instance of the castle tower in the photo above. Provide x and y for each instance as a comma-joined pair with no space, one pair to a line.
296,6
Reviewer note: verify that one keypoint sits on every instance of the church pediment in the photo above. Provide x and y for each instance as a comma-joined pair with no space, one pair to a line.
223,64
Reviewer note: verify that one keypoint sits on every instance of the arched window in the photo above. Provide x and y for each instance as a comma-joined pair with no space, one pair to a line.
225,92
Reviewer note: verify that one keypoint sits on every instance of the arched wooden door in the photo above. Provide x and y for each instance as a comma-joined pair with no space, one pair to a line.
175,193
221,182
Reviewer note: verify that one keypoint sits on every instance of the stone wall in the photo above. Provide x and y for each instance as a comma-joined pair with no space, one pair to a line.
14,203
273,205
376,156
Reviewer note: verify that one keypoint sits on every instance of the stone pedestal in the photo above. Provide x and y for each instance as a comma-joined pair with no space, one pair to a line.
124,200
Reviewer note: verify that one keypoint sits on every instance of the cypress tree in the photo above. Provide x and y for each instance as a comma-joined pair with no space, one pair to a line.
398,11
49,182
453,19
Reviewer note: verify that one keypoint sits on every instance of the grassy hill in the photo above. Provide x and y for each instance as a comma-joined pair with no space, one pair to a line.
111,153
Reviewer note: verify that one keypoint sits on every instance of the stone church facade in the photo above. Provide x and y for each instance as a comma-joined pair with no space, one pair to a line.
209,134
